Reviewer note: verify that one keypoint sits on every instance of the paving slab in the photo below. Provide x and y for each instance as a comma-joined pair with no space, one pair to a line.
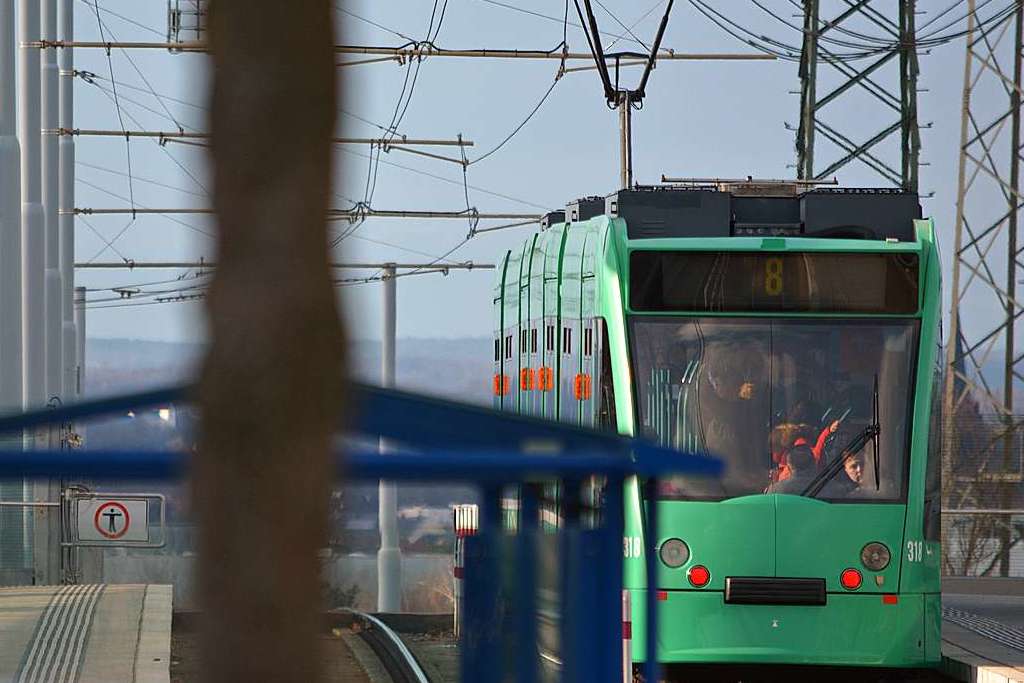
983,637
89,632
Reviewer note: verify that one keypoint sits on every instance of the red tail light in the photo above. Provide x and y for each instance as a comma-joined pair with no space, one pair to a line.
850,579
698,576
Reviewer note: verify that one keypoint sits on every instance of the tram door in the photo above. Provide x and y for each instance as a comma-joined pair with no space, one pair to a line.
499,377
584,389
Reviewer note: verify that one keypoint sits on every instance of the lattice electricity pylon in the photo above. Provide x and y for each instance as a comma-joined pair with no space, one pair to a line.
983,446
854,80
186,21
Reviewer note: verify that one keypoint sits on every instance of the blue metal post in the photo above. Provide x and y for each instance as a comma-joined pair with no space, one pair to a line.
651,669
570,615
526,585
610,590
482,625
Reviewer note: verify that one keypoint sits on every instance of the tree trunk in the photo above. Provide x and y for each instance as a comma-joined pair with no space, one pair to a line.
270,389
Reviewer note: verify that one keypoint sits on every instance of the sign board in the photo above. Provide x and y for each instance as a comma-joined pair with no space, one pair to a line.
113,520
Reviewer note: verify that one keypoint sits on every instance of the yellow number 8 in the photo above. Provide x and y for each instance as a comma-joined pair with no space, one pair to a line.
773,276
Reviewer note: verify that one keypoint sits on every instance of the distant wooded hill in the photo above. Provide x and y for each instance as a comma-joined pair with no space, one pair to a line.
452,368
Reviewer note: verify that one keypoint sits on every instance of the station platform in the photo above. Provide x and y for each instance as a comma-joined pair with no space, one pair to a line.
86,633
983,630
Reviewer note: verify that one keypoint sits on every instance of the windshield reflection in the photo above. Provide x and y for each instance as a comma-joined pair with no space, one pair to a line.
778,400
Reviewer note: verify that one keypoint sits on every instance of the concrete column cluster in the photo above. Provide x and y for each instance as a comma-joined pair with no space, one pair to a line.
38,341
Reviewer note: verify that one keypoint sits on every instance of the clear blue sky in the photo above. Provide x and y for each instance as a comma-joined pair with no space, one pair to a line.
699,119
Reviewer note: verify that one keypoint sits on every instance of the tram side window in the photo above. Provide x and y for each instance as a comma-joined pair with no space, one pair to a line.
497,350
933,469
606,412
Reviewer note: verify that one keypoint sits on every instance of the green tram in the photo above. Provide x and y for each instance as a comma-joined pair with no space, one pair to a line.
795,335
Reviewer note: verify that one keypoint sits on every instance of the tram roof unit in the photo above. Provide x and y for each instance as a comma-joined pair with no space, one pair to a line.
750,208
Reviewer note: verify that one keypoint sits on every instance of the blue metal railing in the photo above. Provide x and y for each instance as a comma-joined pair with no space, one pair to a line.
448,442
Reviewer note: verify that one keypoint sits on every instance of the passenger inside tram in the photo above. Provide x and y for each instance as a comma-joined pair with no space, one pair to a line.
778,399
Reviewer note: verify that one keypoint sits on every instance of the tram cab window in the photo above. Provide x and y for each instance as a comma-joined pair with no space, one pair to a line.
751,390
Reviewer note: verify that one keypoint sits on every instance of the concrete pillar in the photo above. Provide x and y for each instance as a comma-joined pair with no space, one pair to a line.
79,341
50,110
389,557
45,541
66,191
10,221
33,228
15,525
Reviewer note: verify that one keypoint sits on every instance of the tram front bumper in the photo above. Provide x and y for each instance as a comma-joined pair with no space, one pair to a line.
851,629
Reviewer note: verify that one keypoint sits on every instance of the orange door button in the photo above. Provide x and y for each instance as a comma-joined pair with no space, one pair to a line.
545,379
582,387
501,385
526,379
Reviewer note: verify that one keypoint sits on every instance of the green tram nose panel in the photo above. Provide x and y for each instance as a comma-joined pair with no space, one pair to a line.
816,539
731,538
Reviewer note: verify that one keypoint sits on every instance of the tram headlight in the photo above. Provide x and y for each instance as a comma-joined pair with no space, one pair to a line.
875,556
674,553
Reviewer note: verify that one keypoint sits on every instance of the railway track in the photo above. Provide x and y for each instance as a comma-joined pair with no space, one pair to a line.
398,661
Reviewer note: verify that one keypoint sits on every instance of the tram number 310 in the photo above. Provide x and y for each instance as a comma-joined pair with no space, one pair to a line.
915,550
631,547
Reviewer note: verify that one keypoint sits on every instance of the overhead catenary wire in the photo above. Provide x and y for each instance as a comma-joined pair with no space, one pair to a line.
625,28
140,179
636,23
334,265
529,117
138,71
89,77
128,20
166,152
103,239
540,15
450,181
117,107
181,135
140,210
332,214
412,52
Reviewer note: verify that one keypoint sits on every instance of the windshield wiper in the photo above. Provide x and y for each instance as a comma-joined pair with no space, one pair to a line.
855,446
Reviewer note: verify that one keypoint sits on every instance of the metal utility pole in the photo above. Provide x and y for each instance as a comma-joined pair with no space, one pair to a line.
66,192
990,149
389,557
625,141
857,84
50,106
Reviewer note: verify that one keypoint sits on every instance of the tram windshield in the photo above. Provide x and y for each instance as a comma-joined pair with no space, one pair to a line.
779,400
